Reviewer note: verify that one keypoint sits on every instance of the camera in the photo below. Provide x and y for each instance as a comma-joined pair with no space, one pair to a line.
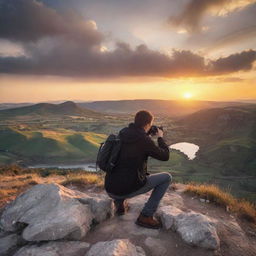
153,130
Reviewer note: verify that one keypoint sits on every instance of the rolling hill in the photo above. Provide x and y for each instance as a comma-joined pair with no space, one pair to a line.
48,109
226,136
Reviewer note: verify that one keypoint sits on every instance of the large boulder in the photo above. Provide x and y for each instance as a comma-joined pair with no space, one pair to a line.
67,248
52,211
194,228
117,247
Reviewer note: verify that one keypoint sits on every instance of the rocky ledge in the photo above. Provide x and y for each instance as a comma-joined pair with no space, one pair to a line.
52,220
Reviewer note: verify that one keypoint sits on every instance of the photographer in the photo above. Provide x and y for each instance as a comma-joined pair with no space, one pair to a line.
130,177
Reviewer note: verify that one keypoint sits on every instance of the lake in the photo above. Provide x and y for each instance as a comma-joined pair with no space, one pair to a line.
188,149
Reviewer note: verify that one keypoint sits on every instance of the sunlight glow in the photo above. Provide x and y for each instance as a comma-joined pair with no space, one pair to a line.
187,95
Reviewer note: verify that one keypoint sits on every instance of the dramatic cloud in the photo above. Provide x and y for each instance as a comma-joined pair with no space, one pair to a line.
190,18
68,45
123,61
29,20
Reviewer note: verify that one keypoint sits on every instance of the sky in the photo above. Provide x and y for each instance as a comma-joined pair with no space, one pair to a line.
117,49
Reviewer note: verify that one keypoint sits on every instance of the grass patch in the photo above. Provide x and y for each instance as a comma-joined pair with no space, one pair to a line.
11,187
84,179
245,210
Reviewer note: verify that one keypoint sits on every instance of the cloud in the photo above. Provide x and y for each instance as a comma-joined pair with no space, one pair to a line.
191,16
228,30
193,12
68,45
30,20
71,60
236,62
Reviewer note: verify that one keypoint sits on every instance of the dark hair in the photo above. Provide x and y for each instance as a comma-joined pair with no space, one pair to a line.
142,118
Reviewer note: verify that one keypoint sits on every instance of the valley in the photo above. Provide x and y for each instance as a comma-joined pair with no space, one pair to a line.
67,134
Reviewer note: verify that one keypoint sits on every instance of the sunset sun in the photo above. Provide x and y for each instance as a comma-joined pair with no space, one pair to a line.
187,95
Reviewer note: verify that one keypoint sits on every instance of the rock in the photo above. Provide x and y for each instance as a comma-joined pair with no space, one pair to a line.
8,243
71,220
173,199
67,248
155,246
168,215
198,229
117,247
101,206
48,212
194,228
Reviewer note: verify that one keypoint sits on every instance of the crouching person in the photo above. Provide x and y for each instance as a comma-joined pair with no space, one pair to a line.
130,177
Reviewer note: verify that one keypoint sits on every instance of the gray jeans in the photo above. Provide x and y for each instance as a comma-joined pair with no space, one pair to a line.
159,182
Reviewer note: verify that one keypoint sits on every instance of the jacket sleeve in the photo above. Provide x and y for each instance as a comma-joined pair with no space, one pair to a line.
160,152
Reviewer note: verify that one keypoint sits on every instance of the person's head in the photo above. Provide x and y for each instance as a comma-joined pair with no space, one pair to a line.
144,119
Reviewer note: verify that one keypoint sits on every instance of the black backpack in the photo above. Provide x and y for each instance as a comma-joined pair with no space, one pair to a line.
108,153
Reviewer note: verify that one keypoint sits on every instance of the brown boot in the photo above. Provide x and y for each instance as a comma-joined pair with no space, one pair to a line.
148,222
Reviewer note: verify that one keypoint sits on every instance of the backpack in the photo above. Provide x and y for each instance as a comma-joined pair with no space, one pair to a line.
108,153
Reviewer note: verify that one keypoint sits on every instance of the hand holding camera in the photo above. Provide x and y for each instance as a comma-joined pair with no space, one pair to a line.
156,130
160,132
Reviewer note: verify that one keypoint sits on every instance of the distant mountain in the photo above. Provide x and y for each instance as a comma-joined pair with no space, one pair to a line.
172,108
246,101
13,105
48,109
9,105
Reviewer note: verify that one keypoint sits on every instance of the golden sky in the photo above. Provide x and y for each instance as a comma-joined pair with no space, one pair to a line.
75,50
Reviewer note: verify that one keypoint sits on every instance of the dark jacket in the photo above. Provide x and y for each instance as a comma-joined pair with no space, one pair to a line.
130,172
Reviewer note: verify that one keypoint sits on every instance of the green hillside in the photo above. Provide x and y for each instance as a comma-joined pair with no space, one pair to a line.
48,145
226,136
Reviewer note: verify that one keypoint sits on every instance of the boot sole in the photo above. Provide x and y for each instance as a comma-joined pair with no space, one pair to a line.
146,226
